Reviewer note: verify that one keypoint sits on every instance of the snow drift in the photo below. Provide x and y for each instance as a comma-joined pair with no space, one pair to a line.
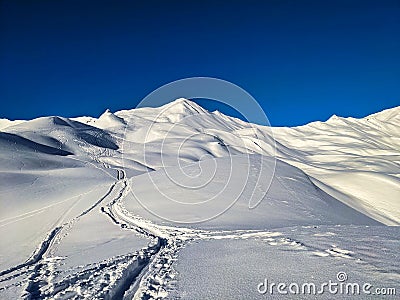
100,207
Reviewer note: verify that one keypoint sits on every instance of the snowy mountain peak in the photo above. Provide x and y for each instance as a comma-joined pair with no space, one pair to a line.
106,113
183,106
109,119
333,118
96,207
173,111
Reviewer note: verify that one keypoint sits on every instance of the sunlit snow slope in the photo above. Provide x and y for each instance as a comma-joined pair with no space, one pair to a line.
86,203
355,160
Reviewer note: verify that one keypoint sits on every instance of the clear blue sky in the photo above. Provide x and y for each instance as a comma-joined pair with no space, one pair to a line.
302,60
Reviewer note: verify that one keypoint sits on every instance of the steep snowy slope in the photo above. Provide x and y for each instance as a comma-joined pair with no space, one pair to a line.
215,194
44,181
99,207
354,160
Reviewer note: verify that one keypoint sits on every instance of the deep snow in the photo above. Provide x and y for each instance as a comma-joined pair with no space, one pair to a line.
166,202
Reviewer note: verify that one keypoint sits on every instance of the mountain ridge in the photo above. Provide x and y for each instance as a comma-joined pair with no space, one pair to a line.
183,106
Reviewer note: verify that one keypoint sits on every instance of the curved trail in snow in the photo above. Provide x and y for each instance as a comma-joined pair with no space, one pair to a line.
143,274
36,273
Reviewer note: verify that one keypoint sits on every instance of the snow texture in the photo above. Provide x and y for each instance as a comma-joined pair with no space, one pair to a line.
178,202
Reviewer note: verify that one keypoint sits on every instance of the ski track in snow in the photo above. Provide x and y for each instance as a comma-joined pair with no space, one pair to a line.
144,274
114,276
147,273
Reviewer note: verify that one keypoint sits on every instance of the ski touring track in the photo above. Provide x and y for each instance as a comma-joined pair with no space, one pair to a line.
114,278
144,274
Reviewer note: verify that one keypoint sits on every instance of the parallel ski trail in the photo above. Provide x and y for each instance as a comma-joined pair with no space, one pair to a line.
144,274
36,264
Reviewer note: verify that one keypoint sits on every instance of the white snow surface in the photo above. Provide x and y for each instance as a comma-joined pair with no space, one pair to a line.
169,202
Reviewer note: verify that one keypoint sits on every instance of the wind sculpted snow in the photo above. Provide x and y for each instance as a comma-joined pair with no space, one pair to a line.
143,203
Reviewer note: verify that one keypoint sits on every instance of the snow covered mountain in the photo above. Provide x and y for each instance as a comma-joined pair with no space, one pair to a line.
132,203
